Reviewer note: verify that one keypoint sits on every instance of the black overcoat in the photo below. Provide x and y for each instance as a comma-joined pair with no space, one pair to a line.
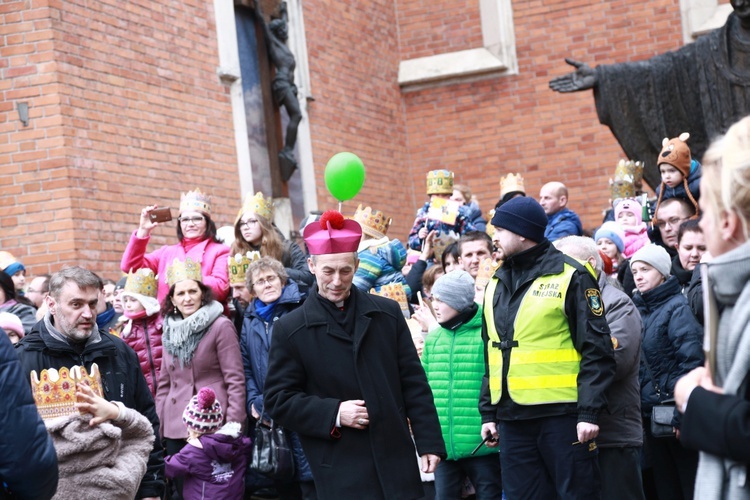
314,365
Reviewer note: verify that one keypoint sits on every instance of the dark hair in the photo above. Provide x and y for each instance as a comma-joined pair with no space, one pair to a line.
168,307
474,236
689,226
45,283
108,281
430,275
9,288
451,250
686,205
210,232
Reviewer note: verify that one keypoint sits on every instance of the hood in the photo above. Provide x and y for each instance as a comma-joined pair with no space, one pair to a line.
290,294
224,448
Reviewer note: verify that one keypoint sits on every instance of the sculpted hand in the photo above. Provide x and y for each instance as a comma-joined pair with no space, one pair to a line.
353,413
583,78
587,431
429,463
490,429
146,226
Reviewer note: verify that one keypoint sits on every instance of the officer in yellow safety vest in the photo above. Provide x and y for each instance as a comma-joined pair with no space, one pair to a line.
548,361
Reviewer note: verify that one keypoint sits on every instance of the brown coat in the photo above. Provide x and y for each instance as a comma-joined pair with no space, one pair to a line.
216,363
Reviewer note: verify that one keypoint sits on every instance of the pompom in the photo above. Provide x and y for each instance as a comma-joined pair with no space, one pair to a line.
206,398
332,217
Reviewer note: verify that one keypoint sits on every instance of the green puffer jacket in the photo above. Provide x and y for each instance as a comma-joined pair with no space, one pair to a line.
454,363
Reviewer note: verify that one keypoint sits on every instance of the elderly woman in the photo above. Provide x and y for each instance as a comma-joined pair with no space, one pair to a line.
715,403
9,303
200,349
273,296
196,232
254,231
671,347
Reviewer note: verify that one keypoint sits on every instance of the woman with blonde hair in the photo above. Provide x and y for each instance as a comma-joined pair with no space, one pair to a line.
254,231
714,399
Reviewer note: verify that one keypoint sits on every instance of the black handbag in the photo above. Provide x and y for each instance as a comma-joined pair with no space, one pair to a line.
661,414
272,454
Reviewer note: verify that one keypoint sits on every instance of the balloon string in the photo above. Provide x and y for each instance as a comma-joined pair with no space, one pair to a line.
339,206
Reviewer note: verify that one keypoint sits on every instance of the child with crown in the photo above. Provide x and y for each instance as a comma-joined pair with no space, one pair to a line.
439,189
200,349
142,330
254,231
196,234
380,259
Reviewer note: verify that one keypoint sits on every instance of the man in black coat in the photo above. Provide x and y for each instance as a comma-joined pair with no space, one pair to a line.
344,374
68,336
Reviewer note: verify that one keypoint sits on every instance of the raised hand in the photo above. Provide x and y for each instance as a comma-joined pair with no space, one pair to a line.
583,78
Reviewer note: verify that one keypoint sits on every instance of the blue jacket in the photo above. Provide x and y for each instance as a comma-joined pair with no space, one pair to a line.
381,265
475,217
255,340
563,223
672,341
28,462
694,183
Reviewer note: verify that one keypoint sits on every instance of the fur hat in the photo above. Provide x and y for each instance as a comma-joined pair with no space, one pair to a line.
523,216
613,232
656,257
455,289
203,413
630,206
676,152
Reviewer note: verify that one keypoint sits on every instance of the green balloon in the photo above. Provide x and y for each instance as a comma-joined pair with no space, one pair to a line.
344,176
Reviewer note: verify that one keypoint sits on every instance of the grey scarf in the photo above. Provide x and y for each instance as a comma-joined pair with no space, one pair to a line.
56,334
730,278
181,337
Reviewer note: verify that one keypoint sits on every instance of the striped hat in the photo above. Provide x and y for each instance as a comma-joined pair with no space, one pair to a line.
203,414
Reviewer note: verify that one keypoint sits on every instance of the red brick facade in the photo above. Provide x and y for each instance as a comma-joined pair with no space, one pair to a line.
126,109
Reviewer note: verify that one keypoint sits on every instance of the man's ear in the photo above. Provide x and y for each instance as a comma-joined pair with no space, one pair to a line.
311,265
51,304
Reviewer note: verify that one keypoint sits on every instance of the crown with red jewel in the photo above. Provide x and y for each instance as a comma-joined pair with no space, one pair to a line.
374,222
55,390
394,291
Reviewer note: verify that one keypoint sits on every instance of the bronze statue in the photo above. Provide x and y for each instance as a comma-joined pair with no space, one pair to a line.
284,89
701,88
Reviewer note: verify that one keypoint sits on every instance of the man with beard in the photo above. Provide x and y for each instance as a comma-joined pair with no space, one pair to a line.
68,336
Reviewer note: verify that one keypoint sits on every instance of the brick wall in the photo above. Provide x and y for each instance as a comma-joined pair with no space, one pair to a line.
126,110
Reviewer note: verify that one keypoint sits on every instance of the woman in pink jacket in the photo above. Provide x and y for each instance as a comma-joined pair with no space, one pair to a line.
200,350
197,234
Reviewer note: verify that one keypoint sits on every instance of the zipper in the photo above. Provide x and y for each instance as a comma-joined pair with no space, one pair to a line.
150,357
450,393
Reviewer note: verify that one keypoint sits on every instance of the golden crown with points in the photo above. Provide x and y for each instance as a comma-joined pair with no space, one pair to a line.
195,200
394,291
510,184
623,185
142,282
439,182
238,265
184,270
258,205
441,242
487,269
374,222
55,390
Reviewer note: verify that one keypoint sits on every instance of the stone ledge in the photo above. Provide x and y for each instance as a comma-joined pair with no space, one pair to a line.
452,66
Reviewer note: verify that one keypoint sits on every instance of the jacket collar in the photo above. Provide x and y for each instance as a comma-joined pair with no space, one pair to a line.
659,295
40,339
315,315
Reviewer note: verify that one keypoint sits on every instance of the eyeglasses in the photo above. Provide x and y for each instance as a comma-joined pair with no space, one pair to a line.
248,223
673,222
267,281
186,221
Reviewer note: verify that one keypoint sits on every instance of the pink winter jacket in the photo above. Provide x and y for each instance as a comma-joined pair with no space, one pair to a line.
144,338
216,363
636,237
212,256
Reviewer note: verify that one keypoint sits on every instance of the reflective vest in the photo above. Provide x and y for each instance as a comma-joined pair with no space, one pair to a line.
544,363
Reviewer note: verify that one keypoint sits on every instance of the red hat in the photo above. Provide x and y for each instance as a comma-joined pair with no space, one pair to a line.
332,234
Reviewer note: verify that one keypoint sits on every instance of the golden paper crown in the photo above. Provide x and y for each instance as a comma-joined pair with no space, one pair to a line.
439,182
238,265
195,200
374,222
184,270
441,242
142,282
258,205
394,291
487,269
623,184
511,183
55,390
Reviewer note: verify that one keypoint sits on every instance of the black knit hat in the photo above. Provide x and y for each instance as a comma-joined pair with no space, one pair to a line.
523,216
